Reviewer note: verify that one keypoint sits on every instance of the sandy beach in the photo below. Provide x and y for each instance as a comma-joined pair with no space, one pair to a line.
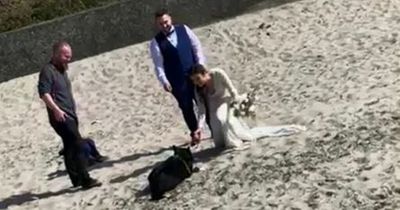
332,66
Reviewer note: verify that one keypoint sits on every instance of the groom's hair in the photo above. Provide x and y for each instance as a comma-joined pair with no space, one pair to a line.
161,12
198,69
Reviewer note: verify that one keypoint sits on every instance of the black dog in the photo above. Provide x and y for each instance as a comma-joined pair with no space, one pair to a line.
171,172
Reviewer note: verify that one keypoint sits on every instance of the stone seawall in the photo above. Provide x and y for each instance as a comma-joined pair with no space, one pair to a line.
91,32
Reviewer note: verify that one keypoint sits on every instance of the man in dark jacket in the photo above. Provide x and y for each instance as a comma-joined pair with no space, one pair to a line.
55,90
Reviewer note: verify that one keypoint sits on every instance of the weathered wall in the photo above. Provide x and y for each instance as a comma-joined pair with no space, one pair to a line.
103,29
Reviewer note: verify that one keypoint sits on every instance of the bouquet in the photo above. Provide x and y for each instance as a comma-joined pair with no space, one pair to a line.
244,106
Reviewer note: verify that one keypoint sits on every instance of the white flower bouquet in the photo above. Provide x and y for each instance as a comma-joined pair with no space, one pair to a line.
244,105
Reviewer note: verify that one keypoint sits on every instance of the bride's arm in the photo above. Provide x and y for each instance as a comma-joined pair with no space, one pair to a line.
227,82
201,110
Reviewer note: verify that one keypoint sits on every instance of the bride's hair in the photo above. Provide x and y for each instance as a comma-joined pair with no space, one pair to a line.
198,69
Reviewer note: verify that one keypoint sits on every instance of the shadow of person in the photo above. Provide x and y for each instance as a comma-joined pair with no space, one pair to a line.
28,196
202,156
56,174
110,163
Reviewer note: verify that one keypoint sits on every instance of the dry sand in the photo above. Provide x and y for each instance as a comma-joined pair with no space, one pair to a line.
330,65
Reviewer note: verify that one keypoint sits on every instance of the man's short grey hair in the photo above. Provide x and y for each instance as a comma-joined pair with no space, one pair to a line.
58,45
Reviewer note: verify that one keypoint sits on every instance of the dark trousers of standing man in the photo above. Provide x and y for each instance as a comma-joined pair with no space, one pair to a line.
184,95
73,156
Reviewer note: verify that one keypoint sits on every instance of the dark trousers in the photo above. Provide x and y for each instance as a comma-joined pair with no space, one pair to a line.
89,150
184,95
73,156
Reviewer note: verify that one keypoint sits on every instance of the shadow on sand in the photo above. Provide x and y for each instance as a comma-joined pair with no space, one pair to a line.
200,157
110,163
28,196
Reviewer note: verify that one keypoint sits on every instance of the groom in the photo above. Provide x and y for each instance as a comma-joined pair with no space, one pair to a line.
174,50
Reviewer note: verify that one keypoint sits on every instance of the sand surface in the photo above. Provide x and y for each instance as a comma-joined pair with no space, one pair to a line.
332,66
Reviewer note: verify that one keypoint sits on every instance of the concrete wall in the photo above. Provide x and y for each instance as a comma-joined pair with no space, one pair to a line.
24,51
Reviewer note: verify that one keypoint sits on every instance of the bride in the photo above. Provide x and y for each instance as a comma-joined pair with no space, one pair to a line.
215,91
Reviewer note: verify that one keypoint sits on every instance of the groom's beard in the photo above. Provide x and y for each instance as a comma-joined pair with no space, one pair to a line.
168,29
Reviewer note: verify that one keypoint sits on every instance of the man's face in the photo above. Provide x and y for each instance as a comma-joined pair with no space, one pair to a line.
64,56
164,23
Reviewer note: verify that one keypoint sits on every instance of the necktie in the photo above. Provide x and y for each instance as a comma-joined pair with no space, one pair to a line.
169,33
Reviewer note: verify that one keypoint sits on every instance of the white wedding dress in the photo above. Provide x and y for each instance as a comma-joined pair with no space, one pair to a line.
228,130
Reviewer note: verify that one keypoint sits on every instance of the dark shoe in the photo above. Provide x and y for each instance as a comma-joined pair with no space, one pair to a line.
101,158
91,183
76,185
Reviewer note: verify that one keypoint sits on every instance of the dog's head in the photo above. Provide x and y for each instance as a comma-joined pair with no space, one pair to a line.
183,153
